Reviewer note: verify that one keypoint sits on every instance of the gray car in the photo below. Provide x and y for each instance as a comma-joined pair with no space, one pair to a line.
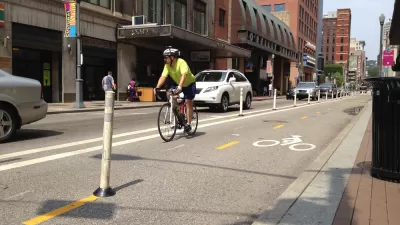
328,89
305,88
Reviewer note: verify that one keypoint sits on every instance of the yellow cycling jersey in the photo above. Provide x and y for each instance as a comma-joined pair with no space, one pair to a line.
175,72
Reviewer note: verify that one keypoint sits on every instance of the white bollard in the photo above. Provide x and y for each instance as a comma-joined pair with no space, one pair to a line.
308,98
295,99
326,96
241,102
105,190
274,107
319,95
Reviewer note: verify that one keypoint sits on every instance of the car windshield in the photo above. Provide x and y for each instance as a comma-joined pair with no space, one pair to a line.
325,85
210,76
305,85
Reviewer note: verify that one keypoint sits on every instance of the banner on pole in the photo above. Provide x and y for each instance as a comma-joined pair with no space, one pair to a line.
70,17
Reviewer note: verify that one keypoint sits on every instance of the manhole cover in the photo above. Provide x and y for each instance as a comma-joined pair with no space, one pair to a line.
274,121
353,111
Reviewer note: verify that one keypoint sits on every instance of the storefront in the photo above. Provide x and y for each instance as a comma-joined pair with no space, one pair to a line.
308,67
38,56
199,51
99,57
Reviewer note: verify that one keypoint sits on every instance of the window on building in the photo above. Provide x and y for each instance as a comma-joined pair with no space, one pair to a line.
341,57
102,3
327,48
179,13
342,22
154,11
341,40
279,7
342,31
221,18
341,48
333,48
267,8
199,17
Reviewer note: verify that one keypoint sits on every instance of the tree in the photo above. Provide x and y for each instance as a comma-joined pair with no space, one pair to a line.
331,69
372,71
339,79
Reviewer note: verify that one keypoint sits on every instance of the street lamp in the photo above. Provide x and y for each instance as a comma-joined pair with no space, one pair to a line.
272,70
381,21
79,82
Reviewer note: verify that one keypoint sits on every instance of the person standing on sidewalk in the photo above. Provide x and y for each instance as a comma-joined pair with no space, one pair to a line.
108,82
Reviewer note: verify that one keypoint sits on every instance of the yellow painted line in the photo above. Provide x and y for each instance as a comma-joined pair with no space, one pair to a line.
227,145
318,112
59,211
278,126
304,117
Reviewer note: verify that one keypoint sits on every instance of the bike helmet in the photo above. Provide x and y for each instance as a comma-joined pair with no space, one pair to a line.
171,52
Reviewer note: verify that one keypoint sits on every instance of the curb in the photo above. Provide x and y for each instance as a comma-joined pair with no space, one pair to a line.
277,211
125,108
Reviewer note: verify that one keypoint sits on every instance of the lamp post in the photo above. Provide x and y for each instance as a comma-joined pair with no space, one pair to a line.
381,21
78,81
272,71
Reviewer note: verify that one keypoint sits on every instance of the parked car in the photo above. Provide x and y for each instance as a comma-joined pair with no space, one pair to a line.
21,103
363,89
328,89
219,89
305,88
290,93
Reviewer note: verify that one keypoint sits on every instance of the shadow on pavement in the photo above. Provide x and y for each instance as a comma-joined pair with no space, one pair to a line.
118,188
91,210
197,134
9,160
30,134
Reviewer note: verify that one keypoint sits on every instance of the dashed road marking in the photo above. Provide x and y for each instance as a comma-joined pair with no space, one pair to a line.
304,117
227,145
278,126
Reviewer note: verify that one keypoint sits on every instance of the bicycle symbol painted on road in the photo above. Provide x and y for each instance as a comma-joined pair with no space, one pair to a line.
294,143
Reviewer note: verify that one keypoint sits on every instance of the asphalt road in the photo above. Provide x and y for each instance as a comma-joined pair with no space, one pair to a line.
225,174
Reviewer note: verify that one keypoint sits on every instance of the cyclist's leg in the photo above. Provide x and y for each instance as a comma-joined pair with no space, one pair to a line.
190,93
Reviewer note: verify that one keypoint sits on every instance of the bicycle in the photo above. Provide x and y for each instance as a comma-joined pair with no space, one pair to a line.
175,117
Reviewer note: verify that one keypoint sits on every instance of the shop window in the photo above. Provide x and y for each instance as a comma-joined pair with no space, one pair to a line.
179,13
279,7
221,18
267,8
102,3
199,17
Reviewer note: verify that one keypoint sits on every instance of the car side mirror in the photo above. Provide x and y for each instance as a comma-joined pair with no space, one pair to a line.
232,79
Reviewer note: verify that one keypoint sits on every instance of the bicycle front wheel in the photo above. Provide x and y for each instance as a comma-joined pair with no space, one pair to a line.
195,121
167,123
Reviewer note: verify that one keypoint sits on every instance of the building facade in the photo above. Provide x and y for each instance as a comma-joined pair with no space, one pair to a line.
37,48
336,38
302,18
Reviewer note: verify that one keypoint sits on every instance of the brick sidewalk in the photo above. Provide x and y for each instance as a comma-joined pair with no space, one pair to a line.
367,200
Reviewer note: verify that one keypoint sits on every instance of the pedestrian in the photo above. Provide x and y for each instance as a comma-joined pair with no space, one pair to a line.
131,88
108,82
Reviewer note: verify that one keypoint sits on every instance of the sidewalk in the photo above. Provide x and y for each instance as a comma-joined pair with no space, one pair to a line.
57,108
337,188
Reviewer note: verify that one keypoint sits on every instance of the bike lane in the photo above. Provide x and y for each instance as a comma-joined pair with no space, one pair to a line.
216,177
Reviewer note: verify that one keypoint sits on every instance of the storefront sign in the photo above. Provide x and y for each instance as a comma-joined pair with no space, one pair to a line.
308,44
143,32
308,60
200,56
70,17
98,43
252,37
5,62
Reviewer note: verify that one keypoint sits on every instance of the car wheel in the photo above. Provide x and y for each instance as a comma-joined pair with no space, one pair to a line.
8,123
224,103
247,103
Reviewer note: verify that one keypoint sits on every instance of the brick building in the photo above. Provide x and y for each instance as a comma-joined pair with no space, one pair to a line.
336,37
303,23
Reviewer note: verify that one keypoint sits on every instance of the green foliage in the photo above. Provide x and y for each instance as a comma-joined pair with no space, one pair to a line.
373,71
332,69
339,78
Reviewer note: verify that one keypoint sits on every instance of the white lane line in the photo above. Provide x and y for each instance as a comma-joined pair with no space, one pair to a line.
17,195
92,149
88,141
179,146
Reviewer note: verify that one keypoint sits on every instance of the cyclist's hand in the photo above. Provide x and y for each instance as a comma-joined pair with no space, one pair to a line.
178,90
155,91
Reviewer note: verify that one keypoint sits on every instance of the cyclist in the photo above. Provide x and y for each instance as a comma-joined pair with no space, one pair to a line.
178,71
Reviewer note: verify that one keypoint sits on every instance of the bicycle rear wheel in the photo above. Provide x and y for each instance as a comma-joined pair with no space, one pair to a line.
195,121
165,123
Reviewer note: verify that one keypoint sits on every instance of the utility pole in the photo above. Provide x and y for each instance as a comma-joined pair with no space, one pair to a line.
319,55
79,82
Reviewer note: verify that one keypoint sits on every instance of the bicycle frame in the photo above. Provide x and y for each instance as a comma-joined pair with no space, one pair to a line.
172,96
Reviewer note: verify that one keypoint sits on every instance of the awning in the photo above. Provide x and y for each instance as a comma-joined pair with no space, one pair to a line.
394,34
186,40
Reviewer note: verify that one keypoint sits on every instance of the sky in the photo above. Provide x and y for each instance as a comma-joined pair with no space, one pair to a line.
365,20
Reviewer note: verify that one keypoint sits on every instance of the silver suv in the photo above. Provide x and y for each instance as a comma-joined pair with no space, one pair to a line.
303,88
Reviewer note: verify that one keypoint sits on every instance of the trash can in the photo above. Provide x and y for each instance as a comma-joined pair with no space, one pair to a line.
385,127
